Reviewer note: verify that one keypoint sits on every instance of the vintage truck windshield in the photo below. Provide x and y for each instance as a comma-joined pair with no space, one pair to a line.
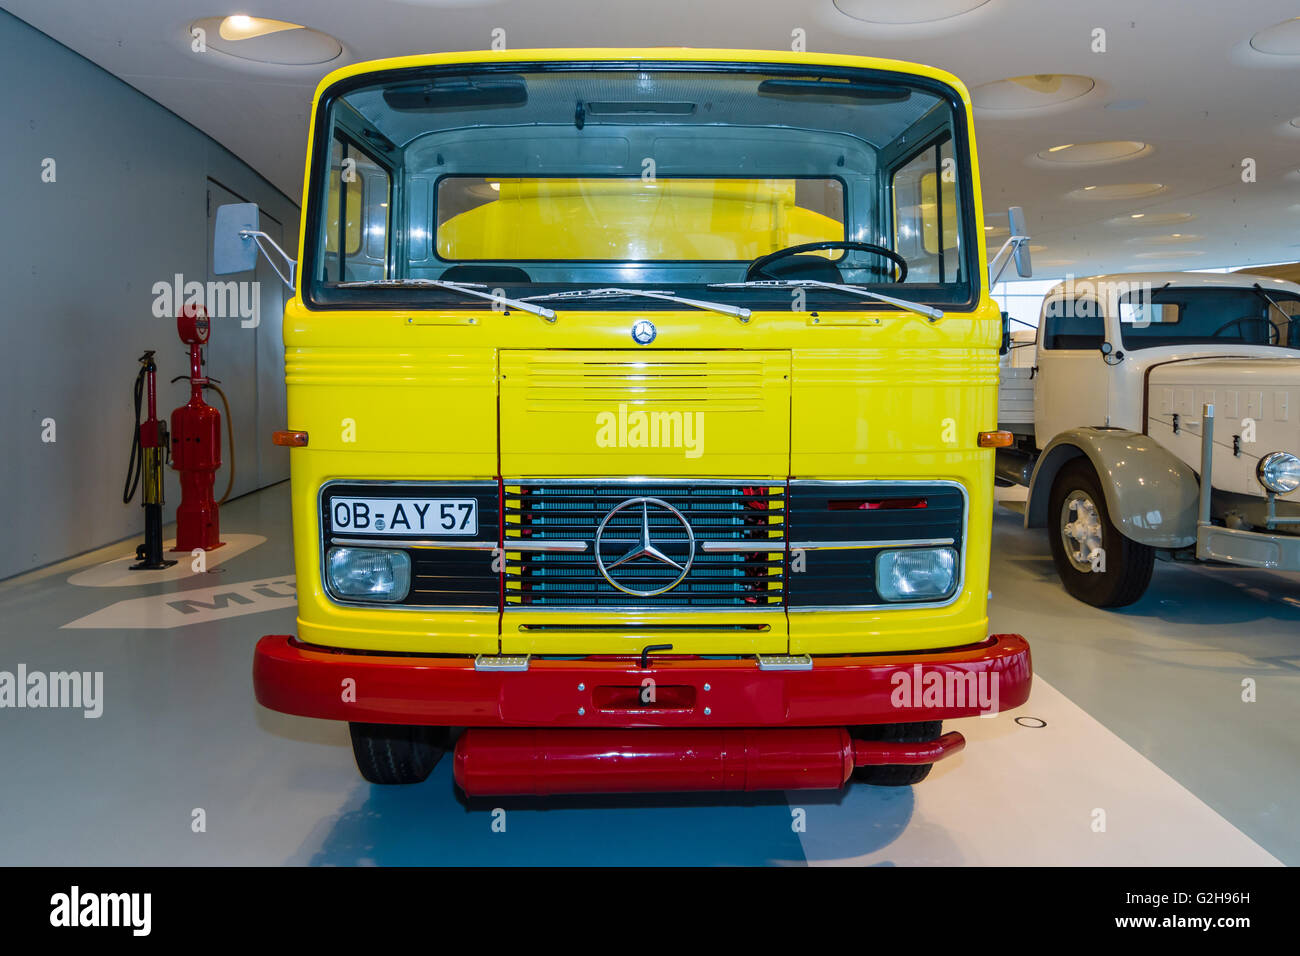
1209,316
540,178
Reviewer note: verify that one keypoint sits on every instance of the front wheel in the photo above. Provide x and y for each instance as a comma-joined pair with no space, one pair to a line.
397,753
1097,563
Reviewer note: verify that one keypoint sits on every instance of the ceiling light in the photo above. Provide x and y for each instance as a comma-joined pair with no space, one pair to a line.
1152,219
261,40
1116,191
1172,239
892,13
1034,91
1084,154
1281,39
240,27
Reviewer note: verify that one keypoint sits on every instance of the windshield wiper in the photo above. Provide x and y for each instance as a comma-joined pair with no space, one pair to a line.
925,310
738,312
468,288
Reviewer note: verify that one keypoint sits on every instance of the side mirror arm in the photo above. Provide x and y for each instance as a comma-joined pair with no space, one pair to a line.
1003,258
290,263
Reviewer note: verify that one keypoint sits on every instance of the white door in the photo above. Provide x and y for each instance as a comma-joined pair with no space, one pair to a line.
1071,386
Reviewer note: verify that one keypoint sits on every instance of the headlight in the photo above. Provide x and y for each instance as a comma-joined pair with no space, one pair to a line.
369,574
916,574
1279,472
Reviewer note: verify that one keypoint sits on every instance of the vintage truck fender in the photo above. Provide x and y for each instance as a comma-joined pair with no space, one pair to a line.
1151,494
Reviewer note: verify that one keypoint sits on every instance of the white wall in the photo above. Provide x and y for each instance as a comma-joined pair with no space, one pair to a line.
80,257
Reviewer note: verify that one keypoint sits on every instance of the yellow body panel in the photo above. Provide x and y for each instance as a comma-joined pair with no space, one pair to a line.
421,394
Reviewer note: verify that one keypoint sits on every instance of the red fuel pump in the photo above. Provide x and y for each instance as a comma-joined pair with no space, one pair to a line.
196,443
148,448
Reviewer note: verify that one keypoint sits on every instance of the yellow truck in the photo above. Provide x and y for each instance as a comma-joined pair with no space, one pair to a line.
642,407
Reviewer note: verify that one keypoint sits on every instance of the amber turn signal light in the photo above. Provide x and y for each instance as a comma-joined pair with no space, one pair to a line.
290,439
987,440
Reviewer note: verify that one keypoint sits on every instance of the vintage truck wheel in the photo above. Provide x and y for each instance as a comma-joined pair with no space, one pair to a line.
397,753
1097,564
896,775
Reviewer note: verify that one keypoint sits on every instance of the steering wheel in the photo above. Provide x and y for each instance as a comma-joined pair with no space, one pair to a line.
758,268
1274,336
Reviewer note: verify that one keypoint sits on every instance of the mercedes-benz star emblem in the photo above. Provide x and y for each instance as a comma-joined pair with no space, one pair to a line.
643,332
645,547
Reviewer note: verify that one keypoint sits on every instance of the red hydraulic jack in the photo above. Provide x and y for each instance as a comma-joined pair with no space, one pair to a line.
196,444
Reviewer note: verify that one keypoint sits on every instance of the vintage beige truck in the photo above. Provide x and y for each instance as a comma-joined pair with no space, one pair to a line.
1159,418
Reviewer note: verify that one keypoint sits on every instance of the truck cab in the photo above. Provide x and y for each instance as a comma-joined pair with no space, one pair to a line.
640,407
1168,400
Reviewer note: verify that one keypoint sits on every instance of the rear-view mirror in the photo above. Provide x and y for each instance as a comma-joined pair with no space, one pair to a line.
1016,220
232,252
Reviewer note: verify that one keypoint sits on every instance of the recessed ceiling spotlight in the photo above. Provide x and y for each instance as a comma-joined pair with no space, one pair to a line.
1032,92
892,13
261,40
1151,219
240,27
1281,39
1116,191
1085,154
1173,239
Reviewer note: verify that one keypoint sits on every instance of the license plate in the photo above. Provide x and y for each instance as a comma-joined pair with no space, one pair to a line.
400,516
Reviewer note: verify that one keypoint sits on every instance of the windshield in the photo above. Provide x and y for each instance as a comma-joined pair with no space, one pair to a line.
672,177
1209,316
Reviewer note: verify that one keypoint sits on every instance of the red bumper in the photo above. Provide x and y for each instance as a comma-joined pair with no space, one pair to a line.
608,692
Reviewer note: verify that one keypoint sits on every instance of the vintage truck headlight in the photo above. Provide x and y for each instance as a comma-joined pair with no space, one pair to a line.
916,574
1279,472
368,574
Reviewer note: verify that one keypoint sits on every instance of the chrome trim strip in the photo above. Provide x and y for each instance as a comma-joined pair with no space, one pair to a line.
423,544
510,544
742,547
860,545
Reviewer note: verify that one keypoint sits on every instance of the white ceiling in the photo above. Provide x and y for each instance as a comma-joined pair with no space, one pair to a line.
1205,99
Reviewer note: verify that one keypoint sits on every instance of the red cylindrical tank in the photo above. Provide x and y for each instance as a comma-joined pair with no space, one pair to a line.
498,761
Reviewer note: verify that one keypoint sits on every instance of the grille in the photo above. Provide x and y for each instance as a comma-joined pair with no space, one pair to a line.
731,513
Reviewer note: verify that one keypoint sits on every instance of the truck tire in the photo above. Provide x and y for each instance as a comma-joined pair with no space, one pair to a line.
397,753
1096,562
896,775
